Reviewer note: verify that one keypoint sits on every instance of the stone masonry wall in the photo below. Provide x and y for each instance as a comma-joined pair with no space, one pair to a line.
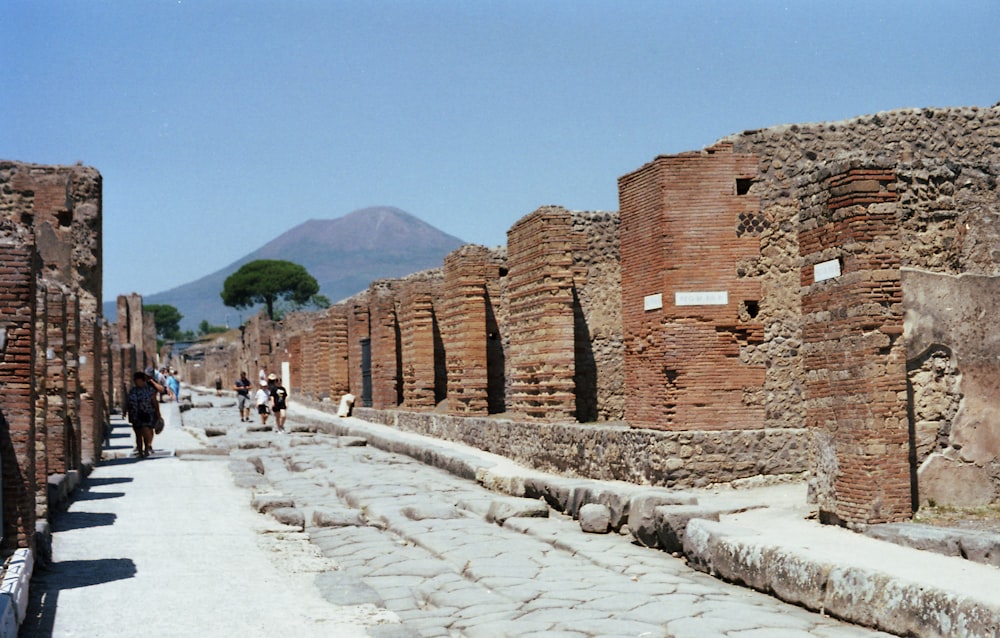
599,349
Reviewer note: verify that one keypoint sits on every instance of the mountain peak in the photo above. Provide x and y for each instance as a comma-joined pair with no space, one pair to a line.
343,254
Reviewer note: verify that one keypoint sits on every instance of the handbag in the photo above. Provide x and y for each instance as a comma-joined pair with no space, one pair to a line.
158,426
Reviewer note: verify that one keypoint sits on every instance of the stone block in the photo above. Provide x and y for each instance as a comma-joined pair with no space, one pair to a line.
264,503
290,516
595,518
670,523
503,508
641,512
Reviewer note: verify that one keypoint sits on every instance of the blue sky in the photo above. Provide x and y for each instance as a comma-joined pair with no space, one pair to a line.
219,124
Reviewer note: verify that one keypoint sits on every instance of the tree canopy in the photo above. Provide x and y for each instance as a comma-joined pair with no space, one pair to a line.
268,280
167,320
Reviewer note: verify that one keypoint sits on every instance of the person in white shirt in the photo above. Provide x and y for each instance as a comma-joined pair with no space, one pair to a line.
263,399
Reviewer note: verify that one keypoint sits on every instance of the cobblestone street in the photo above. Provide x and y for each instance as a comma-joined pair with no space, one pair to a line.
418,541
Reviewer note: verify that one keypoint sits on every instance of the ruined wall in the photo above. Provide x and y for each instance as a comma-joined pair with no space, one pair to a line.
947,163
689,312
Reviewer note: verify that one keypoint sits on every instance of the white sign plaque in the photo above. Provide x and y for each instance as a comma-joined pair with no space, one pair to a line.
826,270
652,302
709,298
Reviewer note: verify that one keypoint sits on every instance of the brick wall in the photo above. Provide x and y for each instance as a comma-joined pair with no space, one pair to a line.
540,292
855,359
18,265
690,317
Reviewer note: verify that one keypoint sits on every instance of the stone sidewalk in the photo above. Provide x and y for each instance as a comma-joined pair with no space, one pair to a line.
169,547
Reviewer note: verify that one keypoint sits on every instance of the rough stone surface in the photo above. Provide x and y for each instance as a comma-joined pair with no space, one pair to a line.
264,503
595,518
643,521
670,524
337,517
502,509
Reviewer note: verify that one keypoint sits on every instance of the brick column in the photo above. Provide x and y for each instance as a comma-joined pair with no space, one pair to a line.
418,328
321,367
74,436
689,313
57,413
385,347
17,378
338,353
542,361
463,327
359,337
854,358
91,363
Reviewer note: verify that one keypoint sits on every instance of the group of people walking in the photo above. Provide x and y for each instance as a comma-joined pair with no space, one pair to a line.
271,397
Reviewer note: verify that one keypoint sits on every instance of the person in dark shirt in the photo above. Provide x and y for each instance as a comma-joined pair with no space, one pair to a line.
143,412
242,386
279,396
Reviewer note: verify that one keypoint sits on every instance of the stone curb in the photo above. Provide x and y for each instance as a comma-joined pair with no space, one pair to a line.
14,591
855,593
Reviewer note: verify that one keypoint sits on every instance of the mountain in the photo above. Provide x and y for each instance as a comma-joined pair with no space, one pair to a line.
344,255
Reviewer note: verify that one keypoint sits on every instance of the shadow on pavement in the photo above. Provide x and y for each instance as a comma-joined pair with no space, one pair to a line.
48,582
81,520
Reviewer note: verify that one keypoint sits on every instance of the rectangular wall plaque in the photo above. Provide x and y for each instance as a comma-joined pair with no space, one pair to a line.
826,270
709,298
652,302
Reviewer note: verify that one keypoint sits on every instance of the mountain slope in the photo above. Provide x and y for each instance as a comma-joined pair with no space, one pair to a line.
343,254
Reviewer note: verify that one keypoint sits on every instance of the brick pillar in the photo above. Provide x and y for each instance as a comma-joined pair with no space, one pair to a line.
293,354
463,327
854,358
359,336
689,314
387,391
57,413
542,362
338,353
418,328
321,332
91,363
41,463
17,378
74,436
